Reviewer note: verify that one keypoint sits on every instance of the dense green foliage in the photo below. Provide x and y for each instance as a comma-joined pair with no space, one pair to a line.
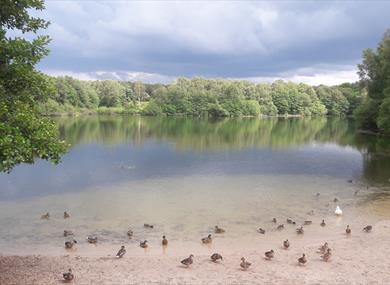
202,97
24,134
374,71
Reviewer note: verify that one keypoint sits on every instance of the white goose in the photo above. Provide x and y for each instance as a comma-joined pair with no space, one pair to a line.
338,211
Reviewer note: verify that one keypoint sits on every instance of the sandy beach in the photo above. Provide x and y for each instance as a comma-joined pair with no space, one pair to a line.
361,258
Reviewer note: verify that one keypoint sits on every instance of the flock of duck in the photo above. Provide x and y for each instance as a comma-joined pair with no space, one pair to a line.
325,250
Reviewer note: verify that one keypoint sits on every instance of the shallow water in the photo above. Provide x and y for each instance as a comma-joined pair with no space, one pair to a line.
187,175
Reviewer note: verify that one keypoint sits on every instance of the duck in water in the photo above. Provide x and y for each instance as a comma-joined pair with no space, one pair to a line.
188,261
66,215
45,216
207,239
218,230
215,257
121,252
70,244
286,244
245,264
164,241
302,260
68,276
143,244
269,254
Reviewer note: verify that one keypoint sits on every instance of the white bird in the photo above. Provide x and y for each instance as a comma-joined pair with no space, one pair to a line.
338,211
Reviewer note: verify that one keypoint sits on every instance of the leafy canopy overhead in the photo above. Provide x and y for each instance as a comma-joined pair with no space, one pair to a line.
24,134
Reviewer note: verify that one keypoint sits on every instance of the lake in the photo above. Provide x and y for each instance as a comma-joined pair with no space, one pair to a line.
186,175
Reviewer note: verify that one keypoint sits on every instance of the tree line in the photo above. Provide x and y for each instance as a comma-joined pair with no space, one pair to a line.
202,97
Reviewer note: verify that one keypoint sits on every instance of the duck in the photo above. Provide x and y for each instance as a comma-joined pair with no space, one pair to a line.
348,230
318,194
245,264
188,261
143,244
121,252
302,260
215,257
45,216
326,255
92,239
286,244
323,223
350,181
280,227
207,239
68,233
300,230
70,244
338,211
261,231
323,248
289,221
307,223
164,241
68,276
148,226
218,230
269,254
66,215
130,233
367,228
335,200
274,220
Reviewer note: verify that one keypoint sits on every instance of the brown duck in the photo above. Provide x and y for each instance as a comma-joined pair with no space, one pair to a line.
269,254
207,239
245,264
68,276
302,260
188,261
215,257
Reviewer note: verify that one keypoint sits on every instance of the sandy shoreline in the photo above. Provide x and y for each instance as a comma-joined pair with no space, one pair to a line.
359,259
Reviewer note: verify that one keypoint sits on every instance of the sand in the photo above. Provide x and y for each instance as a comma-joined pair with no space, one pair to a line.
362,258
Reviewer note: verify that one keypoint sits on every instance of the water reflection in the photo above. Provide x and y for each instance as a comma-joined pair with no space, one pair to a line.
111,149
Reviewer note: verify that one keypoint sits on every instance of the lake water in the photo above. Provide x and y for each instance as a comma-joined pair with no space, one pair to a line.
186,175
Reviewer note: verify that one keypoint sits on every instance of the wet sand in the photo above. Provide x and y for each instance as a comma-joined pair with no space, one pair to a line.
361,258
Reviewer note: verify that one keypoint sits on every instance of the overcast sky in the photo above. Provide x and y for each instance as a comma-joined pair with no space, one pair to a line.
318,42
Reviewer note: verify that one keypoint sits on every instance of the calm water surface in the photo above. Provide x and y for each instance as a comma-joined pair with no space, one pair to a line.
187,175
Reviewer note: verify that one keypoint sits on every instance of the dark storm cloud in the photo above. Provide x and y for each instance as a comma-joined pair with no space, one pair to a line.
218,39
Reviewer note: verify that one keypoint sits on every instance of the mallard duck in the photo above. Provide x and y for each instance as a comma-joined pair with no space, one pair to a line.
130,233
302,260
207,239
338,211
348,230
215,257
164,241
188,261
300,230
280,227
45,216
326,255
261,231
121,252
143,244
68,276
367,228
286,244
269,254
148,226
219,230
68,233
245,264
323,223
70,244
323,248
274,220
92,239
335,200
66,215
289,221
307,223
